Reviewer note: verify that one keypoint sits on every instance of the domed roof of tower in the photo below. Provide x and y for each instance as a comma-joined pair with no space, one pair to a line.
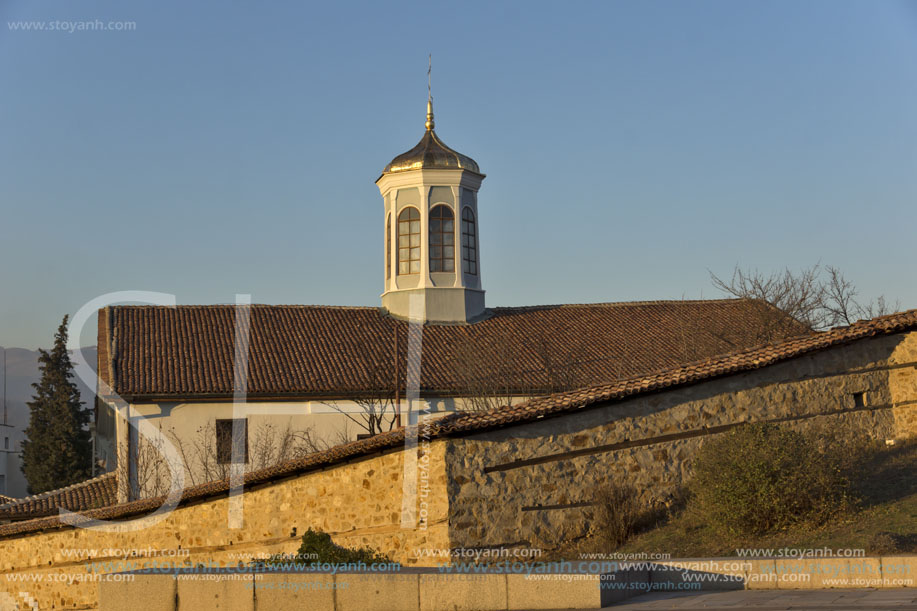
431,154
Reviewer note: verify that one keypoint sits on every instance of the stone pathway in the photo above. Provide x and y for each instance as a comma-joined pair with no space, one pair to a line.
904,599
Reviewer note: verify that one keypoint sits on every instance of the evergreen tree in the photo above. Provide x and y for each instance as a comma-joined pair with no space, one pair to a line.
58,451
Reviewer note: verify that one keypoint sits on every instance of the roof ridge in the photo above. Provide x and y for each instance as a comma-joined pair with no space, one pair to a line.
621,303
370,308
202,306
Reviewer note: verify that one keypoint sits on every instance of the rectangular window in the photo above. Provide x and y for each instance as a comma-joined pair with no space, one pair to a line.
469,243
442,239
409,241
224,439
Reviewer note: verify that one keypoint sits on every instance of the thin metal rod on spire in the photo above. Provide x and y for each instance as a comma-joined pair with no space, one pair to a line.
430,124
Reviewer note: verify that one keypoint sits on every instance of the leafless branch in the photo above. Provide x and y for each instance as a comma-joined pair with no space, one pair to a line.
816,297
376,408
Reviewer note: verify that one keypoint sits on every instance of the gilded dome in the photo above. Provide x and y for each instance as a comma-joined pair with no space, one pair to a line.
431,154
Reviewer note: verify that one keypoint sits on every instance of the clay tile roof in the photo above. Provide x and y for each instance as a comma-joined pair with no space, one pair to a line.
692,373
100,491
467,423
186,351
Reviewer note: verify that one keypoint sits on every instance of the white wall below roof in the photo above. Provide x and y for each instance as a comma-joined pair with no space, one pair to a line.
181,422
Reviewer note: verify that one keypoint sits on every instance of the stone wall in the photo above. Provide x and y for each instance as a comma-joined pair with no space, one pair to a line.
359,503
534,484
529,485
902,386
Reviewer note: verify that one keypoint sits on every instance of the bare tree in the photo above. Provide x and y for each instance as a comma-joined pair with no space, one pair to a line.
842,305
816,297
376,409
199,454
269,444
148,472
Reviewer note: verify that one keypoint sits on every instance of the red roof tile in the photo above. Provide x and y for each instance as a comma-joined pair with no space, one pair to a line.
305,351
100,491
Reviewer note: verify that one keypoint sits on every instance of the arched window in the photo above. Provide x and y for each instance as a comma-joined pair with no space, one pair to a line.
469,243
442,239
409,241
388,246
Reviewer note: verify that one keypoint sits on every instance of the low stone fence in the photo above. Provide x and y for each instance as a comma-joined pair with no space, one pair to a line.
414,589
531,587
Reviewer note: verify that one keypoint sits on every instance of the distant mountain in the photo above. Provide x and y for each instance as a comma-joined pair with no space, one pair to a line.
22,370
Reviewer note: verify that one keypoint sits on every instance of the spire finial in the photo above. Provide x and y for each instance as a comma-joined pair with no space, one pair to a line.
429,124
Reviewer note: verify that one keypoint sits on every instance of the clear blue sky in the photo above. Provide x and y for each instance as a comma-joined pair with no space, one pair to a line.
231,147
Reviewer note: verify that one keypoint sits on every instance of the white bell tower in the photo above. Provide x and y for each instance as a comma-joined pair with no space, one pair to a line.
432,238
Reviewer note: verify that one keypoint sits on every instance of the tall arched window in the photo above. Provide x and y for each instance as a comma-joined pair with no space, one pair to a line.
388,246
469,243
442,239
409,241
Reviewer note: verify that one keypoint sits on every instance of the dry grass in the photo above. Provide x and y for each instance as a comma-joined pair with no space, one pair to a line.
884,521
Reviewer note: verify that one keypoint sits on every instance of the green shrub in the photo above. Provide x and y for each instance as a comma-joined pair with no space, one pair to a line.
760,478
318,547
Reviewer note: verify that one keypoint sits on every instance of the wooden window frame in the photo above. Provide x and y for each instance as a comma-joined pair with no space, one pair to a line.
469,242
440,214
413,251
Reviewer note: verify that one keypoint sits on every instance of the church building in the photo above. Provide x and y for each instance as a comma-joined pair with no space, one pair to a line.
318,376
527,414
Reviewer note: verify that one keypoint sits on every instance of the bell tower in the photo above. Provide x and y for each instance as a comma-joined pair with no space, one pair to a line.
432,247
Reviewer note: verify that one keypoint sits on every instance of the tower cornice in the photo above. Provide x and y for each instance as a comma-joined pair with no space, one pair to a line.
430,178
